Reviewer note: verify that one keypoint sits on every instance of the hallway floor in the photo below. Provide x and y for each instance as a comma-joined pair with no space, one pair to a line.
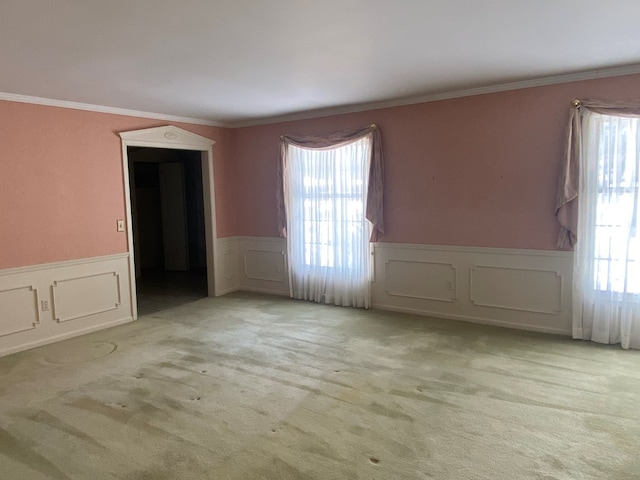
159,290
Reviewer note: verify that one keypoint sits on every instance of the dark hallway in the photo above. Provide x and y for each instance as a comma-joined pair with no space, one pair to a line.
169,230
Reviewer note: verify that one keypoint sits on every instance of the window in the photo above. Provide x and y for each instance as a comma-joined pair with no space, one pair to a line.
331,187
330,207
604,159
615,203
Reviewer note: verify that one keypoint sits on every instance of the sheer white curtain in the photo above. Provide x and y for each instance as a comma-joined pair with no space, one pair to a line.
325,198
606,290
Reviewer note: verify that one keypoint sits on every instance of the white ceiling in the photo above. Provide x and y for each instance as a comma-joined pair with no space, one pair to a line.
237,61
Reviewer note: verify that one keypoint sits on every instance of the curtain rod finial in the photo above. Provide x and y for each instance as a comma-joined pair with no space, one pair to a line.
373,125
576,103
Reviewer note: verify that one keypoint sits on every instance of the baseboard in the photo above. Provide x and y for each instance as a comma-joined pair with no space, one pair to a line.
267,291
228,291
471,319
65,336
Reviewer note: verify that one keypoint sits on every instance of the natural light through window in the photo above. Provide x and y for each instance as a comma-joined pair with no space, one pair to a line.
326,192
333,195
617,246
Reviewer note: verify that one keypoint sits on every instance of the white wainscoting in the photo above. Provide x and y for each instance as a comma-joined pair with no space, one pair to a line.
262,265
46,303
525,289
228,255
19,309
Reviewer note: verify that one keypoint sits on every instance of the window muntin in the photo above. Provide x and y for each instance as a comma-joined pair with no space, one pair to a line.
332,191
617,245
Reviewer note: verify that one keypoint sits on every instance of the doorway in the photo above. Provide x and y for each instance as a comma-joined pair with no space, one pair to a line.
189,147
167,208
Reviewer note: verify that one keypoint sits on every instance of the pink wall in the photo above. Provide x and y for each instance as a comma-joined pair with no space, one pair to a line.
61,182
474,171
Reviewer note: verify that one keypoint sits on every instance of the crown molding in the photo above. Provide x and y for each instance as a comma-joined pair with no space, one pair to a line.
337,110
13,97
447,95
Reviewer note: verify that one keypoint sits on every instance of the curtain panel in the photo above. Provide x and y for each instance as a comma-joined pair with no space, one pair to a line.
374,205
597,207
568,184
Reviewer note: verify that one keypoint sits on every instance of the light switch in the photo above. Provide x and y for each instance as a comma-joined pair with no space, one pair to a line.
120,225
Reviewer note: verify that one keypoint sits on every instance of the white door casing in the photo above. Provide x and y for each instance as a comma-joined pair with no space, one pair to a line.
175,138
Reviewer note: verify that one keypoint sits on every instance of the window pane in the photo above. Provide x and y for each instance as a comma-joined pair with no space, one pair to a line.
616,247
330,187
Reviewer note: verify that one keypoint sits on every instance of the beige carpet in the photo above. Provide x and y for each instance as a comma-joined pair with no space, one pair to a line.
257,387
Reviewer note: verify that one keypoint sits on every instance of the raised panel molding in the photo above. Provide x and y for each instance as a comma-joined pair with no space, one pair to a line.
86,295
420,279
38,302
264,265
227,258
511,288
525,289
228,253
19,309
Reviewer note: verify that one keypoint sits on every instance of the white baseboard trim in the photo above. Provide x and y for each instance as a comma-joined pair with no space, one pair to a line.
227,291
267,291
471,319
65,336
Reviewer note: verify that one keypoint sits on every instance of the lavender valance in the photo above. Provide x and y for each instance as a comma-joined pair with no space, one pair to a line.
568,184
376,172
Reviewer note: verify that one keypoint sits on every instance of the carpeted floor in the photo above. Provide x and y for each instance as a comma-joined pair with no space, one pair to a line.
256,387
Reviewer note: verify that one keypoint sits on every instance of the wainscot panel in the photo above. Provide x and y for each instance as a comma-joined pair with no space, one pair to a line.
228,253
19,309
525,289
263,265
46,303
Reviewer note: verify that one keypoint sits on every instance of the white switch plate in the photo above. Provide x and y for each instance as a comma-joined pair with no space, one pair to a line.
120,225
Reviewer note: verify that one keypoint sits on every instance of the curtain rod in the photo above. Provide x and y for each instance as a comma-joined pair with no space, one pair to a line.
576,103
373,125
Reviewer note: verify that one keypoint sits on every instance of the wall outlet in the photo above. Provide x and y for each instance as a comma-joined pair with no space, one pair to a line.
44,304
120,225
449,285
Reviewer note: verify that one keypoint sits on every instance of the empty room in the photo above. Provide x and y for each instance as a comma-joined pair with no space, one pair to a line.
319,240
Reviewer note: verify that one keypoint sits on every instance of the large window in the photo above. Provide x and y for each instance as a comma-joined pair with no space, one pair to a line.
331,211
604,159
614,202
330,185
